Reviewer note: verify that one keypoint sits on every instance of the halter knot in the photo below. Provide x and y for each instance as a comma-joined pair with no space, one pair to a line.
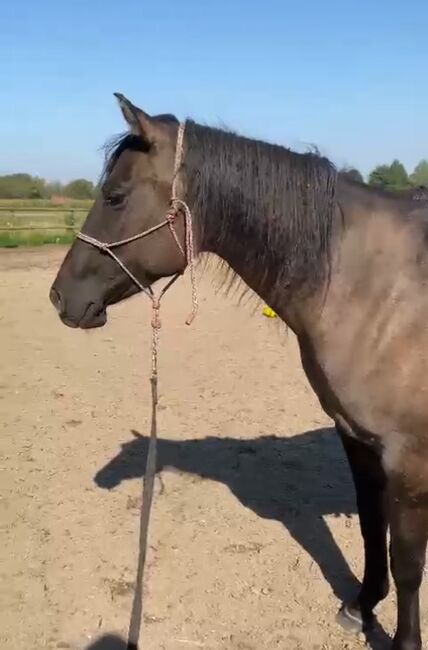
156,321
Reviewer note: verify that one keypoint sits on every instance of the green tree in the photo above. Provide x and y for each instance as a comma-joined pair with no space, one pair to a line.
379,176
37,188
79,189
21,186
353,174
398,177
391,177
419,177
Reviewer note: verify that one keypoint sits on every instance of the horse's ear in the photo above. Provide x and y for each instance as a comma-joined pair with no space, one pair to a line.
141,123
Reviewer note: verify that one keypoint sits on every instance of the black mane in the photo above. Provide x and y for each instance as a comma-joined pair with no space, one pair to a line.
252,196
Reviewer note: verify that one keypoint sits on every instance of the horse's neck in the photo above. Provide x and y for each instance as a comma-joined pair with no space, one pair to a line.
297,309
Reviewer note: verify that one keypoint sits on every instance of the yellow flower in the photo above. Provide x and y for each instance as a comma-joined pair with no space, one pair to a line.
267,311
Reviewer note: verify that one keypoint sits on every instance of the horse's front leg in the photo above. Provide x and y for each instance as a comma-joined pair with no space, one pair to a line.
370,484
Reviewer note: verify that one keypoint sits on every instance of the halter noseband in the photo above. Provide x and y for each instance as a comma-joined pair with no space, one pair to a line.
176,206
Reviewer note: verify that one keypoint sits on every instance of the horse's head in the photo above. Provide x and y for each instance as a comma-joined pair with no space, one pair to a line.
134,197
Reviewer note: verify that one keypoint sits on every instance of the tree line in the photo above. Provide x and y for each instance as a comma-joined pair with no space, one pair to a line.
25,186
393,176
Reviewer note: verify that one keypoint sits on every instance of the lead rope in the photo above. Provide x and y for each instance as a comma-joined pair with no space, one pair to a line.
150,473
177,206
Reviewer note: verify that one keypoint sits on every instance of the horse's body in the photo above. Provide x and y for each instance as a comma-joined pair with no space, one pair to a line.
345,266
364,339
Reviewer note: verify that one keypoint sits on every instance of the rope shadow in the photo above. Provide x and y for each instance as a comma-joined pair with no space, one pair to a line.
108,642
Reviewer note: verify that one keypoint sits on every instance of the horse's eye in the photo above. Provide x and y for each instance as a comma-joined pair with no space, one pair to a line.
115,199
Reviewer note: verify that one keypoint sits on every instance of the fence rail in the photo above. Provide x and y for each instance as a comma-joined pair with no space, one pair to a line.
34,225
52,218
13,228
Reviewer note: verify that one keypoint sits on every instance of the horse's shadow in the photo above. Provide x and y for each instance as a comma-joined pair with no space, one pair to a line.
296,480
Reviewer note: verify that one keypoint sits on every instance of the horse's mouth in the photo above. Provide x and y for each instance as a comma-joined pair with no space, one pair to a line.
94,313
94,316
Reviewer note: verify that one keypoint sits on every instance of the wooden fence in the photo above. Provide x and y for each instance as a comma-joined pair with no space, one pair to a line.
41,219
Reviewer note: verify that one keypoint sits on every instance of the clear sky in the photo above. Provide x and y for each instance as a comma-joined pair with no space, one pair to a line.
350,77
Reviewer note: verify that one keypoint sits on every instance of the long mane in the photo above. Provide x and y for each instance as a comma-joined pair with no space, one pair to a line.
255,196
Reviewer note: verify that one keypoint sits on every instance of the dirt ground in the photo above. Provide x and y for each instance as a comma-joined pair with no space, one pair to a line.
254,537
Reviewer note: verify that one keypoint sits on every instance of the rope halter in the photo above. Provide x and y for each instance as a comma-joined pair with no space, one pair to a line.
177,206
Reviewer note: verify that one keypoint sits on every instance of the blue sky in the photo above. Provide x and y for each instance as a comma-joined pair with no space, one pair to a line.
350,77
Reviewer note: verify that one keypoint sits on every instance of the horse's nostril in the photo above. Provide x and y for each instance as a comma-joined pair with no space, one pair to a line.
55,299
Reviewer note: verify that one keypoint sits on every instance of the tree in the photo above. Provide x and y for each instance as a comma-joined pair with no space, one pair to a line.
80,188
419,178
37,188
398,177
379,176
353,174
391,177
21,186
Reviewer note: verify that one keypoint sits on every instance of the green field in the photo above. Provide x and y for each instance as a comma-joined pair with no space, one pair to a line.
33,223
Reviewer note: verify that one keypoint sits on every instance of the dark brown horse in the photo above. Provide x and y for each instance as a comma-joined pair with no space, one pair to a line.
345,266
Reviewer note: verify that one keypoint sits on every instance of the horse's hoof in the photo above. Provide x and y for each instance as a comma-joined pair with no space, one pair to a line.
350,619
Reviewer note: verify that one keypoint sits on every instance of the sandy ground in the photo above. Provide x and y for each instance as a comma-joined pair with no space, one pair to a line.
254,537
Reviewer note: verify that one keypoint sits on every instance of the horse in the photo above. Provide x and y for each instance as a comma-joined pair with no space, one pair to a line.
344,266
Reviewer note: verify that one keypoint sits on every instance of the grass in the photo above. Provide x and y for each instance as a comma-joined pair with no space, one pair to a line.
46,224
34,238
